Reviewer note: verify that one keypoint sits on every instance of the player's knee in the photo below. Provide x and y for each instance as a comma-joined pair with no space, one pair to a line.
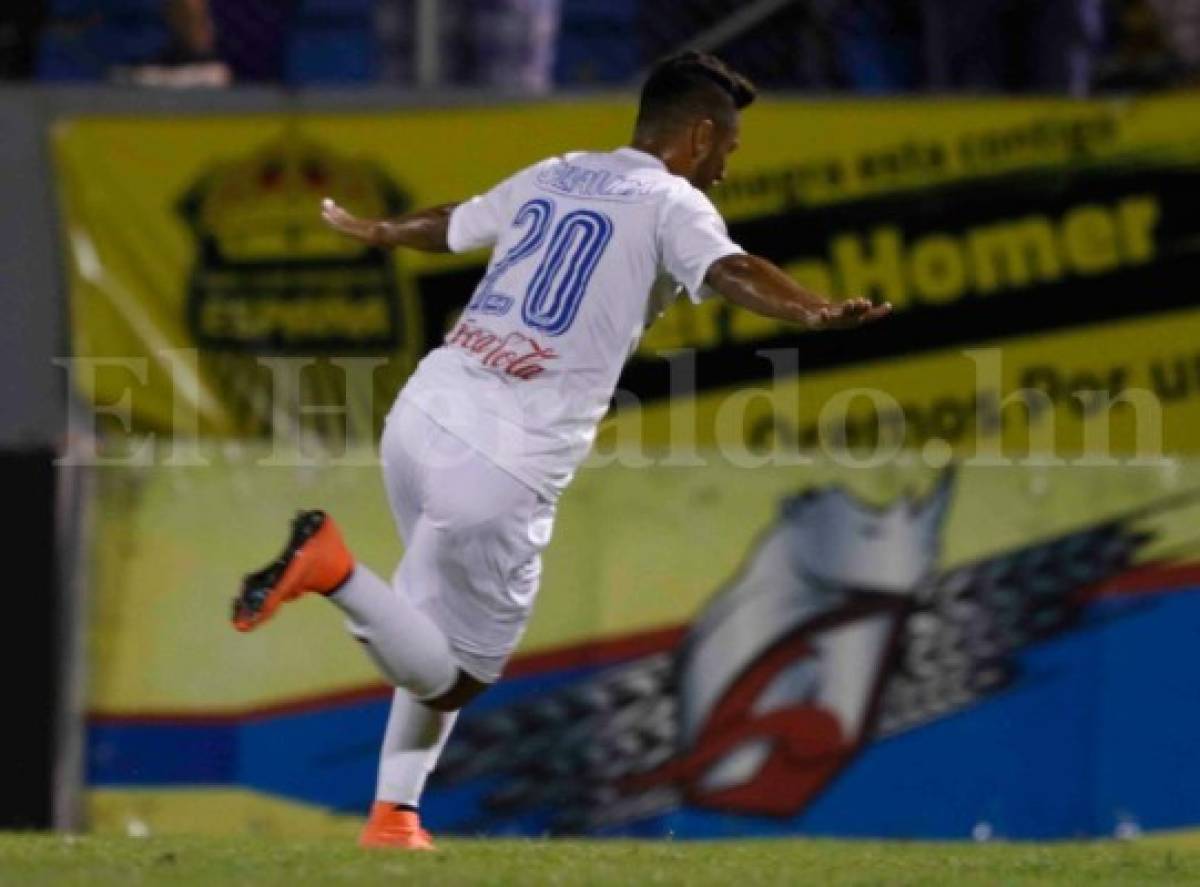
443,705
464,690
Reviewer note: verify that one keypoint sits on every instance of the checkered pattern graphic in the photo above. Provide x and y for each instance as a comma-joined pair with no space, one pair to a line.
568,750
956,645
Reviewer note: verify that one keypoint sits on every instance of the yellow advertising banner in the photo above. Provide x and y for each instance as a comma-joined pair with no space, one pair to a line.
1122,390
634,551
202,278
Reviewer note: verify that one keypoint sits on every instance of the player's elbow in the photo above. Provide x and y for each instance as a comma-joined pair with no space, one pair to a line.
734,277
730,268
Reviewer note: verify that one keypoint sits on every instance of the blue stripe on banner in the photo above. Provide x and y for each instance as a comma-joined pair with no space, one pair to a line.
161,754
1100,727
326,756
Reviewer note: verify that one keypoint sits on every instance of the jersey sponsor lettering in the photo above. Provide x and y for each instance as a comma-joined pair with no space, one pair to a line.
514,354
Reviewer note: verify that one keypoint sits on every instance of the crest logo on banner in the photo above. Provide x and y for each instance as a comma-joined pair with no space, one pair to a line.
269,277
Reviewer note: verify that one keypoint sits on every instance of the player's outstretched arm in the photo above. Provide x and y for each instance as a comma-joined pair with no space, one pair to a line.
762,287
423,230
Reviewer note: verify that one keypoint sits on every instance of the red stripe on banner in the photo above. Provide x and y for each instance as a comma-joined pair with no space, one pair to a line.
216,718
593,653
1149,579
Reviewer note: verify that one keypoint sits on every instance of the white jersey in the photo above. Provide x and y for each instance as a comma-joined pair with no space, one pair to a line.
580,243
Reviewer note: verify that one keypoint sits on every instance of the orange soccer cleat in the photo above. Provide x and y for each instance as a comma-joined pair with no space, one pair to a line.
314,560
389,827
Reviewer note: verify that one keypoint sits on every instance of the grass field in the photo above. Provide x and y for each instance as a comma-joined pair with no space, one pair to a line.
28,860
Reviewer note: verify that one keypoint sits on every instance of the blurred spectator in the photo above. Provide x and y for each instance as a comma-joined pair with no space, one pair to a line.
1047,46
1141,57
191,58
19,23
1180,21
511,43
506,45
396,29
192,26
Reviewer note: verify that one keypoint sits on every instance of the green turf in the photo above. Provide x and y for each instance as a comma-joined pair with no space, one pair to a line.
182,861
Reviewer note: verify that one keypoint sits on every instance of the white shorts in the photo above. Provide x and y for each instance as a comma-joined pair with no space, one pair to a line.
473,538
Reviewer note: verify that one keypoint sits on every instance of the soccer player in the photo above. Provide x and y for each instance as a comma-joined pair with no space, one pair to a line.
490,428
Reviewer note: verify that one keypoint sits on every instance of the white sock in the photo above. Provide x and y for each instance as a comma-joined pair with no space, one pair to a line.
412,744
409,649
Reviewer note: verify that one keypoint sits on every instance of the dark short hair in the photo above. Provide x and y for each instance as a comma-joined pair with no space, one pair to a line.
682,86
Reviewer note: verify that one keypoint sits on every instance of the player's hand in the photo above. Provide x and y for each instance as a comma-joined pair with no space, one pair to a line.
850,313
366,230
